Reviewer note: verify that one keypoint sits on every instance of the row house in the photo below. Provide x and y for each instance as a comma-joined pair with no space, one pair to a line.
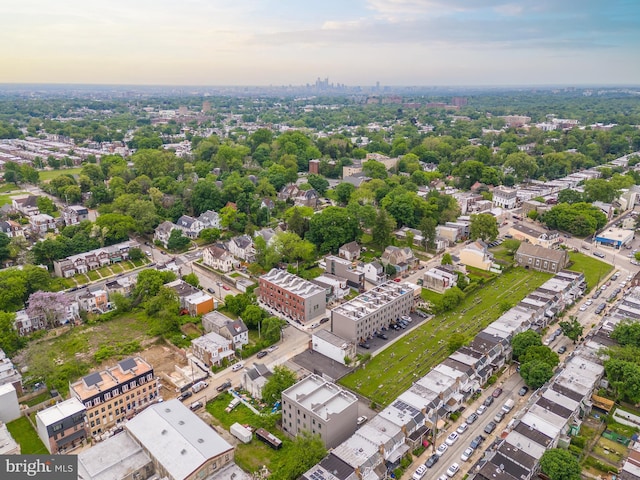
219,259
74,214
212,349
26,325
9,374
350,271
95,301
11,229
234,330
63,426
191,227
83,262
42,223
116,394
292,296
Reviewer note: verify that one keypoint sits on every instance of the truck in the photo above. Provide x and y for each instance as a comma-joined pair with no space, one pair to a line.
508,405
232,404
241,433
199,386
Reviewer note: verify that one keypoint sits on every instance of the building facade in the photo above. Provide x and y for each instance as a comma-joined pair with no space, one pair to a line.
211,349
352,273
292,296
360,318
219,258
505,197
541,259
63,426
116,394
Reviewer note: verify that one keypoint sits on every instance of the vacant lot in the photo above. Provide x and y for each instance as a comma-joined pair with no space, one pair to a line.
594,270
396,368
47,175
25,435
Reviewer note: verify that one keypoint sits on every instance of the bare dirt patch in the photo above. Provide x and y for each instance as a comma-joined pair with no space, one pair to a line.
164,358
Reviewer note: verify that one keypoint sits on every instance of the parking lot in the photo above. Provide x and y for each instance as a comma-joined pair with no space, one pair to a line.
378,344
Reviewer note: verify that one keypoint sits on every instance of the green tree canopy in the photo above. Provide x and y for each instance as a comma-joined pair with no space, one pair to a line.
332,228
305,451
536,373
523,340
281,379
560,464
483,226
572,329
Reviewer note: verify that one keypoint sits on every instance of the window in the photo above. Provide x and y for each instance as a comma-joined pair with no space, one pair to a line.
57,428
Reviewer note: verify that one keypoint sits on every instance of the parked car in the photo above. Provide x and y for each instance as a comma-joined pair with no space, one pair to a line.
261,354
562,349
324,320
476,442
381,336
497,392
466,455
364,345
419,473
361,419
237,366
431,461
523,391
184,395
499,416
441,449
453,469
210,290
452,438
462,428
223,386
490,427
488,401
481,409
272,348
599,255
471,418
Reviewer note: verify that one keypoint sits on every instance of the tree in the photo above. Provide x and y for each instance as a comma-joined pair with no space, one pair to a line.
541,353
446,259
305,451
427,228
483,226
281,379
5,251
135,254
523,340
319,183
149,283
237,304
209,235
271,329
560,464
536,373
192,279
572,329
452,298
10,341
374,169
343,192
332,228
511,245
627,332
297,223
456,340
383,225
177,241
390,270
50,306
252,316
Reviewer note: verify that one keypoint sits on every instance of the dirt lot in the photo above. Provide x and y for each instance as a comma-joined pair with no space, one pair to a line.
164,358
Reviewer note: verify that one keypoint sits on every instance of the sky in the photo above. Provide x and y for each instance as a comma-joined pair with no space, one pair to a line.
293,42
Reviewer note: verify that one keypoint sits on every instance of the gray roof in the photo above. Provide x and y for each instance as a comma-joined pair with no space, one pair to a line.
176,438
243,241
113,459
185,221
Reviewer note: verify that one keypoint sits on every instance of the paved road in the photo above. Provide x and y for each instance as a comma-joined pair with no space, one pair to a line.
511,383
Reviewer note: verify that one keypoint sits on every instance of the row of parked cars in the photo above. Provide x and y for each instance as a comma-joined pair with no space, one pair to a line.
453,437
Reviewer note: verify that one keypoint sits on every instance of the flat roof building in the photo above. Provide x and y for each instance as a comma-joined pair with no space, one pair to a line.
292,296
63,426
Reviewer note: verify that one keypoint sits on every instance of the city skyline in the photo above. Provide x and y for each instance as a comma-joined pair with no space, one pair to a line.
361,42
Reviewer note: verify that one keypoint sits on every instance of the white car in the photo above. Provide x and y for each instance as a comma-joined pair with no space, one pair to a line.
441,449
407,318
466,455
462,428
453,469
583,308
589,303
452,438
237,366
481,409
272,348
419,473
361,420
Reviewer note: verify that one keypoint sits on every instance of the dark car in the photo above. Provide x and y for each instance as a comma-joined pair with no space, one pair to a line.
523,391
364,345
476,442
381,336
184,395
224,386
431,461
210,290
488,401
496,393
324,320
490,427
261,354
562,349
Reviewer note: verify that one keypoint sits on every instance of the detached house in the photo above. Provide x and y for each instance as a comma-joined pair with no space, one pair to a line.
476,255
350,251
11,229
439,278
374,273
210,219
219,258
27,206
242,247
290,191
40,224
401,258
74,214
307,198
211,349
192,300
254,379
234,330
163,232
191,227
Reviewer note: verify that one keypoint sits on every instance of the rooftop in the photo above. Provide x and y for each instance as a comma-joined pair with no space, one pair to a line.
373,299
113,459
60,411
292,283
320,397
96,382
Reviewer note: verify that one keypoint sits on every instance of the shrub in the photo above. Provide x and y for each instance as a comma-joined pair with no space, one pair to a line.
579,441
492,379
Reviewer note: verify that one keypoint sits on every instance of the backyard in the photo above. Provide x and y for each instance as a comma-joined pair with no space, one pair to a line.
396,368
25,435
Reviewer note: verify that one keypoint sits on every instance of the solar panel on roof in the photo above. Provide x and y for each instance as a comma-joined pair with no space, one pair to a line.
93,379
127,364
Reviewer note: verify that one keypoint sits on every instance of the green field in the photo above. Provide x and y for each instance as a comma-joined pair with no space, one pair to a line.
396,368
594,270
25,435
47,175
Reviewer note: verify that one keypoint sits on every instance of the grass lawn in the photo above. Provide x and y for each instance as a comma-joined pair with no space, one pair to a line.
117,268
4,199
311,273
253,455
47,175
25,435
138,263
592,268
396,368
431,296
93,275
38,399
68,355
612,451
81,279
105,272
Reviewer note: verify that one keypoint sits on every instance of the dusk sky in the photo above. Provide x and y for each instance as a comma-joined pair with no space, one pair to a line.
356,42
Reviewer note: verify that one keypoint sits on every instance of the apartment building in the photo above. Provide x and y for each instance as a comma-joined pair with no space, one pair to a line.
505,197
116,394
319,407
363,316
63,426
292,296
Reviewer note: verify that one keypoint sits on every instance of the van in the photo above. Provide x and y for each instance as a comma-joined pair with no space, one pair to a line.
195,405
199,386
508,405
